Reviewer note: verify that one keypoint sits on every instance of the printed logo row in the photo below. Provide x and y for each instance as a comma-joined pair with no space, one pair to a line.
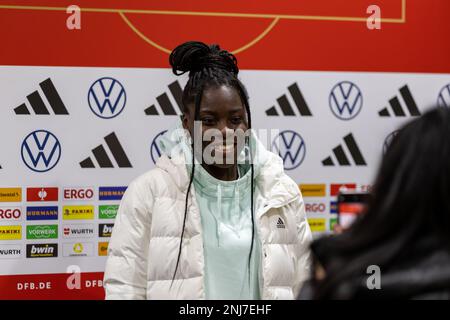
50,250
50,231
43,194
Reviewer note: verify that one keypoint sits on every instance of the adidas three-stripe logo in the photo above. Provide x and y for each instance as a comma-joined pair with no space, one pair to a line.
397,108
280,224
341,156
165,104
286,107
102,157
38,105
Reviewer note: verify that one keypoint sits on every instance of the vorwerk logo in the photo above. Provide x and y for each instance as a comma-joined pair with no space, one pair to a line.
291,148
155,152
346,100
41,151
444,97
107,98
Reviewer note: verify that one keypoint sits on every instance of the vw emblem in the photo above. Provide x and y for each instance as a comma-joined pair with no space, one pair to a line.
346,100
41,151
388,140
444,97
290,146
155,152
107,98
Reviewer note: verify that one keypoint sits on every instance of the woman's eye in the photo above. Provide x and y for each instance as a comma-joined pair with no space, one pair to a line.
236,120
208,121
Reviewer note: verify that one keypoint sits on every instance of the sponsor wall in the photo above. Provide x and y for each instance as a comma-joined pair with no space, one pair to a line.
78,127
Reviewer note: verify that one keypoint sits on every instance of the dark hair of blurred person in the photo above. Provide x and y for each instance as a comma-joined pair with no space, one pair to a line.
406,229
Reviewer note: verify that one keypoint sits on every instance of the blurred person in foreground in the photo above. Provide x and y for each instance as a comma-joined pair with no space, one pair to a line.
405,231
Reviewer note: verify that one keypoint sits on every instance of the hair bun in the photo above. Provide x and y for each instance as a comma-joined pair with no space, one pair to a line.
194,56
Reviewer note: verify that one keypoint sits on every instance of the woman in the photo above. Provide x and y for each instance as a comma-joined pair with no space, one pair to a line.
199,227
405,233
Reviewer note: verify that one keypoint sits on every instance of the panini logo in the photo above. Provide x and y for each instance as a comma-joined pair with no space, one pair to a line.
10,251
10,194
111,193
42,232
78,212
342,159
79,249
47,250
108,212
10,213
38,105
10,232
42,213
317,225
105,230
102,157
103,248
286,107
313,190
165,104
78,231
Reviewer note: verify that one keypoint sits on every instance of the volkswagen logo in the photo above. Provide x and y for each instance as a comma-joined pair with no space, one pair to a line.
107,98
444,97
41,151
290,146
155,152
346,100
388,140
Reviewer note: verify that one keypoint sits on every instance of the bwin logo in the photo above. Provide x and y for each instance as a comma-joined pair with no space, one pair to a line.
290,146
346,100
41,151
107,98
444,97
155,151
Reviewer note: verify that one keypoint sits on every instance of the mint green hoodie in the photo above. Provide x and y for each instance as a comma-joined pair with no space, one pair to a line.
227,226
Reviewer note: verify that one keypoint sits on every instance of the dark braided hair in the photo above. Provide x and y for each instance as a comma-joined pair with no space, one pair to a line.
208,66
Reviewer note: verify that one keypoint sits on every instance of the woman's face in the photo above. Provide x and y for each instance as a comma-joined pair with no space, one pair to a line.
221,114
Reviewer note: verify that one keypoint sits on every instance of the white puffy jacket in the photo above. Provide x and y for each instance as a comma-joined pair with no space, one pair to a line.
143,250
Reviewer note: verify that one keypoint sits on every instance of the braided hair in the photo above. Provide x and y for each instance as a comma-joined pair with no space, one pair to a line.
208,66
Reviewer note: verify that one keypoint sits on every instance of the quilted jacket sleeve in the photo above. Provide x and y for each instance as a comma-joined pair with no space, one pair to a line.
126,266
303,254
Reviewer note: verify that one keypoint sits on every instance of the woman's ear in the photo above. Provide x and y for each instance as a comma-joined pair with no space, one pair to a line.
185,121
